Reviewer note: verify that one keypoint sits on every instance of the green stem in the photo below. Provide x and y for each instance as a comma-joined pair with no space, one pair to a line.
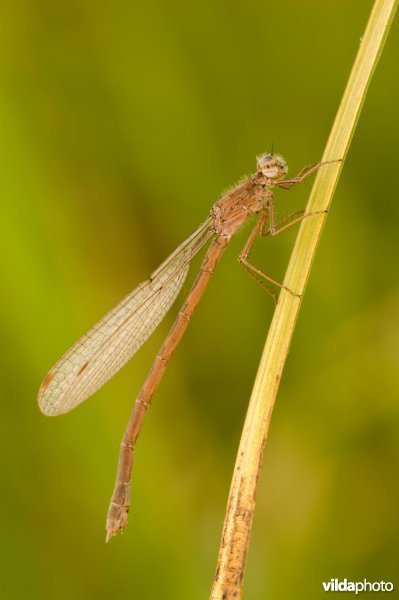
241,503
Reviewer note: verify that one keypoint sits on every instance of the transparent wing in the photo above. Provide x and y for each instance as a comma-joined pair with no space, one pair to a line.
111,342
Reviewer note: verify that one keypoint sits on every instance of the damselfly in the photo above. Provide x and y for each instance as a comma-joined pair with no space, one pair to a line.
109,344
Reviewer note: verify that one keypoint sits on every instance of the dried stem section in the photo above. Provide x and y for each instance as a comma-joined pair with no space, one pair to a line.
241,504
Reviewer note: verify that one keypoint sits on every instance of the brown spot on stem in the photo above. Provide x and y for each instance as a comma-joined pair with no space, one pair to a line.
82,368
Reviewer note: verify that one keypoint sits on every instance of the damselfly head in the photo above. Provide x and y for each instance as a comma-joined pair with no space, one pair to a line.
272,166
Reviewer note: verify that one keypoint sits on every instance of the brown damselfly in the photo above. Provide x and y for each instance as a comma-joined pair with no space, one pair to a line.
111,342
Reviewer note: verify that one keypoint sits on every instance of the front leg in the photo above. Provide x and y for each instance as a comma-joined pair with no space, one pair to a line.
288,183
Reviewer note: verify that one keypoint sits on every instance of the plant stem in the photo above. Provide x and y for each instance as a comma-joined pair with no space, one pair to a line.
241,504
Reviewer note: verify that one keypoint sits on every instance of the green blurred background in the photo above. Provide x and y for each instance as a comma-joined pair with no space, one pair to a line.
121,124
